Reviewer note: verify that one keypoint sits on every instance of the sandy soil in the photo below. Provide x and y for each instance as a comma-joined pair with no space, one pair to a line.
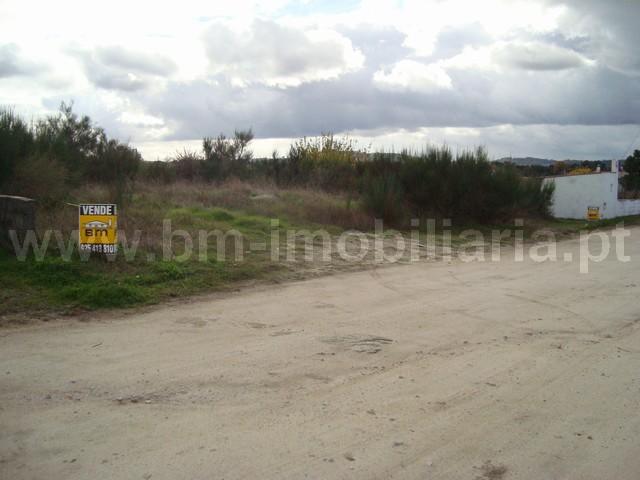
424,371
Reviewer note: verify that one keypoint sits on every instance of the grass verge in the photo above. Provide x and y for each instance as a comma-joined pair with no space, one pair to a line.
38,288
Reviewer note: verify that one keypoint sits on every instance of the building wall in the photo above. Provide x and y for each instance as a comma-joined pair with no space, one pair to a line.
628,207
574,194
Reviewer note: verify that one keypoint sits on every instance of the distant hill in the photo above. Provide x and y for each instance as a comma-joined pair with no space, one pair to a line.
545,162
526,161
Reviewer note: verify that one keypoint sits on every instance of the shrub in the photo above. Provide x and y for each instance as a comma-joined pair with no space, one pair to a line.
224,157
325,162
61,151
73,140
16,142
41,177
632,167
158,171
580,171
382,196
116,165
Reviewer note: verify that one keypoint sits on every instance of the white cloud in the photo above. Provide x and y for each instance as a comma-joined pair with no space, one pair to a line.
136,61
118,68
423,20
538,56
278,55
140,119
532,56
413,76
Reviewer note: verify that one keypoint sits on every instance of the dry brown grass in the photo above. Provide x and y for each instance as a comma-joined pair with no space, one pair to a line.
298,205
152,202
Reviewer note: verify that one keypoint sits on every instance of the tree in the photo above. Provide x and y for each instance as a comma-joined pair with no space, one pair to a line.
116,166
559,168
632,167
73,140
224,156
16,143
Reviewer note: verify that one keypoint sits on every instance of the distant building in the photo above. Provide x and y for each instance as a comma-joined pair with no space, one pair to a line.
574,195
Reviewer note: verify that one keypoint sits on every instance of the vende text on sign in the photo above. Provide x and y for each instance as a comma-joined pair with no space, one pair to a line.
98,228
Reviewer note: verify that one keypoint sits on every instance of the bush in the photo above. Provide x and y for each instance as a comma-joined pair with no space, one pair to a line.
324,162
158,171
382,196
466,187
59,152
632,167
74,141
225,157
40,177
116,166
16,142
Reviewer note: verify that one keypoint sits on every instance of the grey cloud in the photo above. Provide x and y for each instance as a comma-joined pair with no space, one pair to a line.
13,65
558,142
274,54
453,40
610,27
589,97
111,80
577,43
537,56
380,45
131,61
542,92
115,68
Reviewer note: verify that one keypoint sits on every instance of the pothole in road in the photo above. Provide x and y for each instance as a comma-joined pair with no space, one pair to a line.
358,343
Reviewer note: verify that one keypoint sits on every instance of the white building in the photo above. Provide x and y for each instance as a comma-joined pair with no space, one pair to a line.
575,194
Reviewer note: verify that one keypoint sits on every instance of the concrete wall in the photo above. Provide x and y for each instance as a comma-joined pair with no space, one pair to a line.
16,213
628,207
574,194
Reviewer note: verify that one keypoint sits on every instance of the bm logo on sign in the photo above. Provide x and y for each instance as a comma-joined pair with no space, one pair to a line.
97,225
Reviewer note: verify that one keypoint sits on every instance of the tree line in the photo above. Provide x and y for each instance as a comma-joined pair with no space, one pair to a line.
46,158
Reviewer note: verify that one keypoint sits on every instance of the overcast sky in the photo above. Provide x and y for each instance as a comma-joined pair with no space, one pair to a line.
548,78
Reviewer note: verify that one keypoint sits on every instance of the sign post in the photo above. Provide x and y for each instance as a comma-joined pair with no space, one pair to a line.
98,228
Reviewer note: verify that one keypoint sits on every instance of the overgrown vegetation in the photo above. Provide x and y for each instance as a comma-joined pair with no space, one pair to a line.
146,275
326,182
46,158
52,155
396,187
632,167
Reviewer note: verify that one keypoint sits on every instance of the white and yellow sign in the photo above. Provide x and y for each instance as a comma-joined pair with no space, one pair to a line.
593,213
98,228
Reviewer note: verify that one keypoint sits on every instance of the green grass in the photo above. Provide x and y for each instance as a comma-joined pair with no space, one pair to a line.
58,285
573,227
32,285
53,285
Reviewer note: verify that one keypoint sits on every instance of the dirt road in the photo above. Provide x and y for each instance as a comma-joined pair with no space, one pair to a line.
427,371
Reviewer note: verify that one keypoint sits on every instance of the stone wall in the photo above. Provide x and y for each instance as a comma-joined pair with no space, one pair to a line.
16,213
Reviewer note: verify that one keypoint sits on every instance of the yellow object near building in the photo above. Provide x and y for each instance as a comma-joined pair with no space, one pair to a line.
593,213
98,228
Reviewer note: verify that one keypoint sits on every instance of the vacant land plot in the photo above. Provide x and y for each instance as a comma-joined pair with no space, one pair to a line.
144,274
